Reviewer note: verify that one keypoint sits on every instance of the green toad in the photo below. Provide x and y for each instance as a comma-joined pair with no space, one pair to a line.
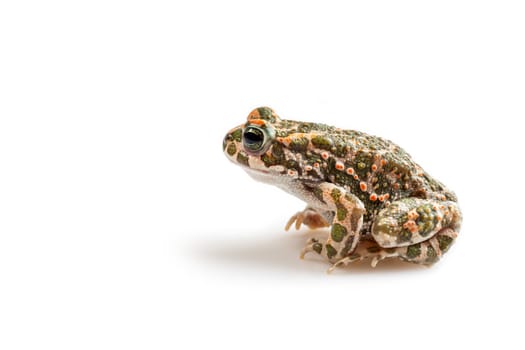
376,200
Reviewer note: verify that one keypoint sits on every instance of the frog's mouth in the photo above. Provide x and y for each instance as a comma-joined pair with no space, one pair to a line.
276,171
272,177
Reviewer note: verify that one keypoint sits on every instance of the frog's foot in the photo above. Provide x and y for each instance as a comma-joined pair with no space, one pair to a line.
366,251
345,261
308,217
313,245
324,248
424,253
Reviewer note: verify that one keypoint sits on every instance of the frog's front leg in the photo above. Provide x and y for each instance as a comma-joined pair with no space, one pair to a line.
347,220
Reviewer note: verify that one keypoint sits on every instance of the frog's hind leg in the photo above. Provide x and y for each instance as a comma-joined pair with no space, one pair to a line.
430,251
416,230
425,253
413,220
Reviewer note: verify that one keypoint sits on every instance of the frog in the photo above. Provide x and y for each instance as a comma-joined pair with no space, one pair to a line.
375,201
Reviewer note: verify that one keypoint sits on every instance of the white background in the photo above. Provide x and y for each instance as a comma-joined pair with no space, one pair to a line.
123,226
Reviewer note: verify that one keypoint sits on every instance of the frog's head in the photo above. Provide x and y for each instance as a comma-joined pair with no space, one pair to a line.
266,148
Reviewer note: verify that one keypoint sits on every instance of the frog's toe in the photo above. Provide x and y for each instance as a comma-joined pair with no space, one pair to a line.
366,251
297,218
345,261
308,217
380,256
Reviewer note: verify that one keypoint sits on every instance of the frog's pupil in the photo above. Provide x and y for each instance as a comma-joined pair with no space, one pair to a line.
253,138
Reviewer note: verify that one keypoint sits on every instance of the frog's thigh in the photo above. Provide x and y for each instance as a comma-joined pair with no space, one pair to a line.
413,220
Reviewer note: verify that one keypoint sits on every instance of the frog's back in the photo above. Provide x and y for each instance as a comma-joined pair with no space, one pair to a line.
387,168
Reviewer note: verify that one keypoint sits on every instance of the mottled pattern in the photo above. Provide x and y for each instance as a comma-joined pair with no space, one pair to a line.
365,187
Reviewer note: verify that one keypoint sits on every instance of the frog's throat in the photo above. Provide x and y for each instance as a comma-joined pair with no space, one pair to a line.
269,176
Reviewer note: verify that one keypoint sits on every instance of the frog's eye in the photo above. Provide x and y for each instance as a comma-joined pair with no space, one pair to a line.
254,139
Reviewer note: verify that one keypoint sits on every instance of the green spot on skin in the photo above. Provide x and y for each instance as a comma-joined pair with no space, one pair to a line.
413,251
322,142
266,113
281,133
304,127
242,158
338,232
299,144
336,194
444,242
231,149
317,247
330,251
385,225
269,160
361,165
341,213
404,236
424,228
427,220
431,254
236,135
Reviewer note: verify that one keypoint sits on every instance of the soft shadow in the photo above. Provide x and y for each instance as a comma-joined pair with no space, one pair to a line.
281,252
